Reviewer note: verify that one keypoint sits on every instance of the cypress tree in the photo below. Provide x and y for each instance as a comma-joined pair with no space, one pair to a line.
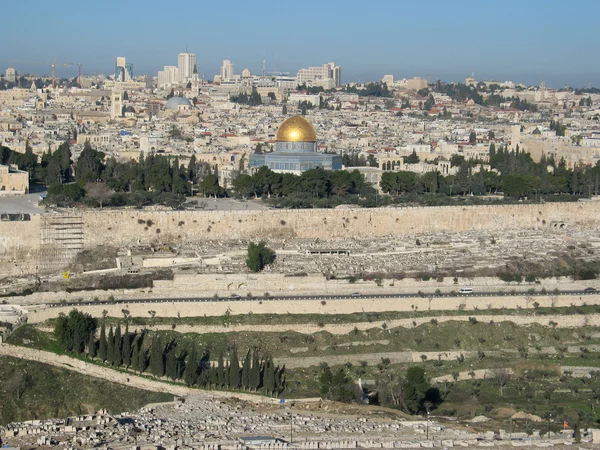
142,360
171,363
226,374
102,344
255,372
190,374
234,370
220,371
269,377
157,363
135,355
110,352
127,347
92,346
246,369
142,354
117,355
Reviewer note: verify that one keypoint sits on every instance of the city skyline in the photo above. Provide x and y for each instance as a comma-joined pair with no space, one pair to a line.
527,42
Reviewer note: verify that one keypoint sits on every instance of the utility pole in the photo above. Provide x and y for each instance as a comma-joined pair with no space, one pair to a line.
291,428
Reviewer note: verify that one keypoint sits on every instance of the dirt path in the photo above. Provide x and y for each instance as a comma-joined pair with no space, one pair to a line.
126,379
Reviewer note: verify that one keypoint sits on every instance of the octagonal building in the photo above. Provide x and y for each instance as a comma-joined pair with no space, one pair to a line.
295,150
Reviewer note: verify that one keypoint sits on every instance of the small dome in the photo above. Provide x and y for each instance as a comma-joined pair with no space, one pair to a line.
130,109
175,102
296,129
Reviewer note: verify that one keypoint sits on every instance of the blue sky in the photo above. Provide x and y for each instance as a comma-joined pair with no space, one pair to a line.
524,41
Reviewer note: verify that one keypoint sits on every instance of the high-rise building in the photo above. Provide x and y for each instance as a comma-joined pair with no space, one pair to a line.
11,75
123,70
226,70
169,76
324,72
336,73
186,62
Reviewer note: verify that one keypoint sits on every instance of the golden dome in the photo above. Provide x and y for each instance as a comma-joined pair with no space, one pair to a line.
296,129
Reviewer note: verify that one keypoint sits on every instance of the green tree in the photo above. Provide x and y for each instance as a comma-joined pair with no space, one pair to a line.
413,158
89,165
417,390
102,347
142,363
234,369
157,362
268,376
72,331
220,371
92,346
246,370
190,375
171,362
117,348
127,347
255,372
259,255
110,351
472,137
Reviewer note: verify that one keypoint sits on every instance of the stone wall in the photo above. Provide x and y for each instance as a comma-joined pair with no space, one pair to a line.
223,307
19,246
126,226
20,241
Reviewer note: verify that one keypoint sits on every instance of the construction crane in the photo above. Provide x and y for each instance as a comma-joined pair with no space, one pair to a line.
52,64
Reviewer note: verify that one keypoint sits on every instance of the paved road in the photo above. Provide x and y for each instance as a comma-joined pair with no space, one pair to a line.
315,297
26,204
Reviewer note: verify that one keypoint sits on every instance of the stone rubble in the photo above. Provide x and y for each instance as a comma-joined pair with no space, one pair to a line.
208,423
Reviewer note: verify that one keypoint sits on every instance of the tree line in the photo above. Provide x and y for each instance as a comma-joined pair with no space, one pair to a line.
152,179
516,176
313,183
145,352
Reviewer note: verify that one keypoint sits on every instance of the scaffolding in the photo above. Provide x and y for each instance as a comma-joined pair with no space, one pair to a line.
61,240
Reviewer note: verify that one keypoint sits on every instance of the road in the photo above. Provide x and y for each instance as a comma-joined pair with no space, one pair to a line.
316,297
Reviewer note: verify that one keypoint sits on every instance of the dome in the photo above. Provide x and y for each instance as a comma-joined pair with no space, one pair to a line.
175,102
296,129
130,109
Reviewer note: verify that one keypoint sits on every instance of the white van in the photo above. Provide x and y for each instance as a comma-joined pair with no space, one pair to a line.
466,290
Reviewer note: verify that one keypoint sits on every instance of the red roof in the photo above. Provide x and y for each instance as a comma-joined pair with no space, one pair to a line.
207,133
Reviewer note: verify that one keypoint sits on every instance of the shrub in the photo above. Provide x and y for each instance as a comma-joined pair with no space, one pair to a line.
530,278
259,255
472,320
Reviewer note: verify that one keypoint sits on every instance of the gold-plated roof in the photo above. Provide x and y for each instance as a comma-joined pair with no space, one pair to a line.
296,129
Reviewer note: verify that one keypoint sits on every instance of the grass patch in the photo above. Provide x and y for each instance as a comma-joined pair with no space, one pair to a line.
31,390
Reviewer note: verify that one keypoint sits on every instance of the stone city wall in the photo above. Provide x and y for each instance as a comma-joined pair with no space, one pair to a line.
20,241
357,305
19,246
127,226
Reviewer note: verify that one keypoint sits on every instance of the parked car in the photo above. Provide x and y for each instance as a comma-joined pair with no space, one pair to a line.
589,289
234,296
356,294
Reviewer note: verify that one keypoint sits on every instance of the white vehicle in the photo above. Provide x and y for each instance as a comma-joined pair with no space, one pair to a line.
466,290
